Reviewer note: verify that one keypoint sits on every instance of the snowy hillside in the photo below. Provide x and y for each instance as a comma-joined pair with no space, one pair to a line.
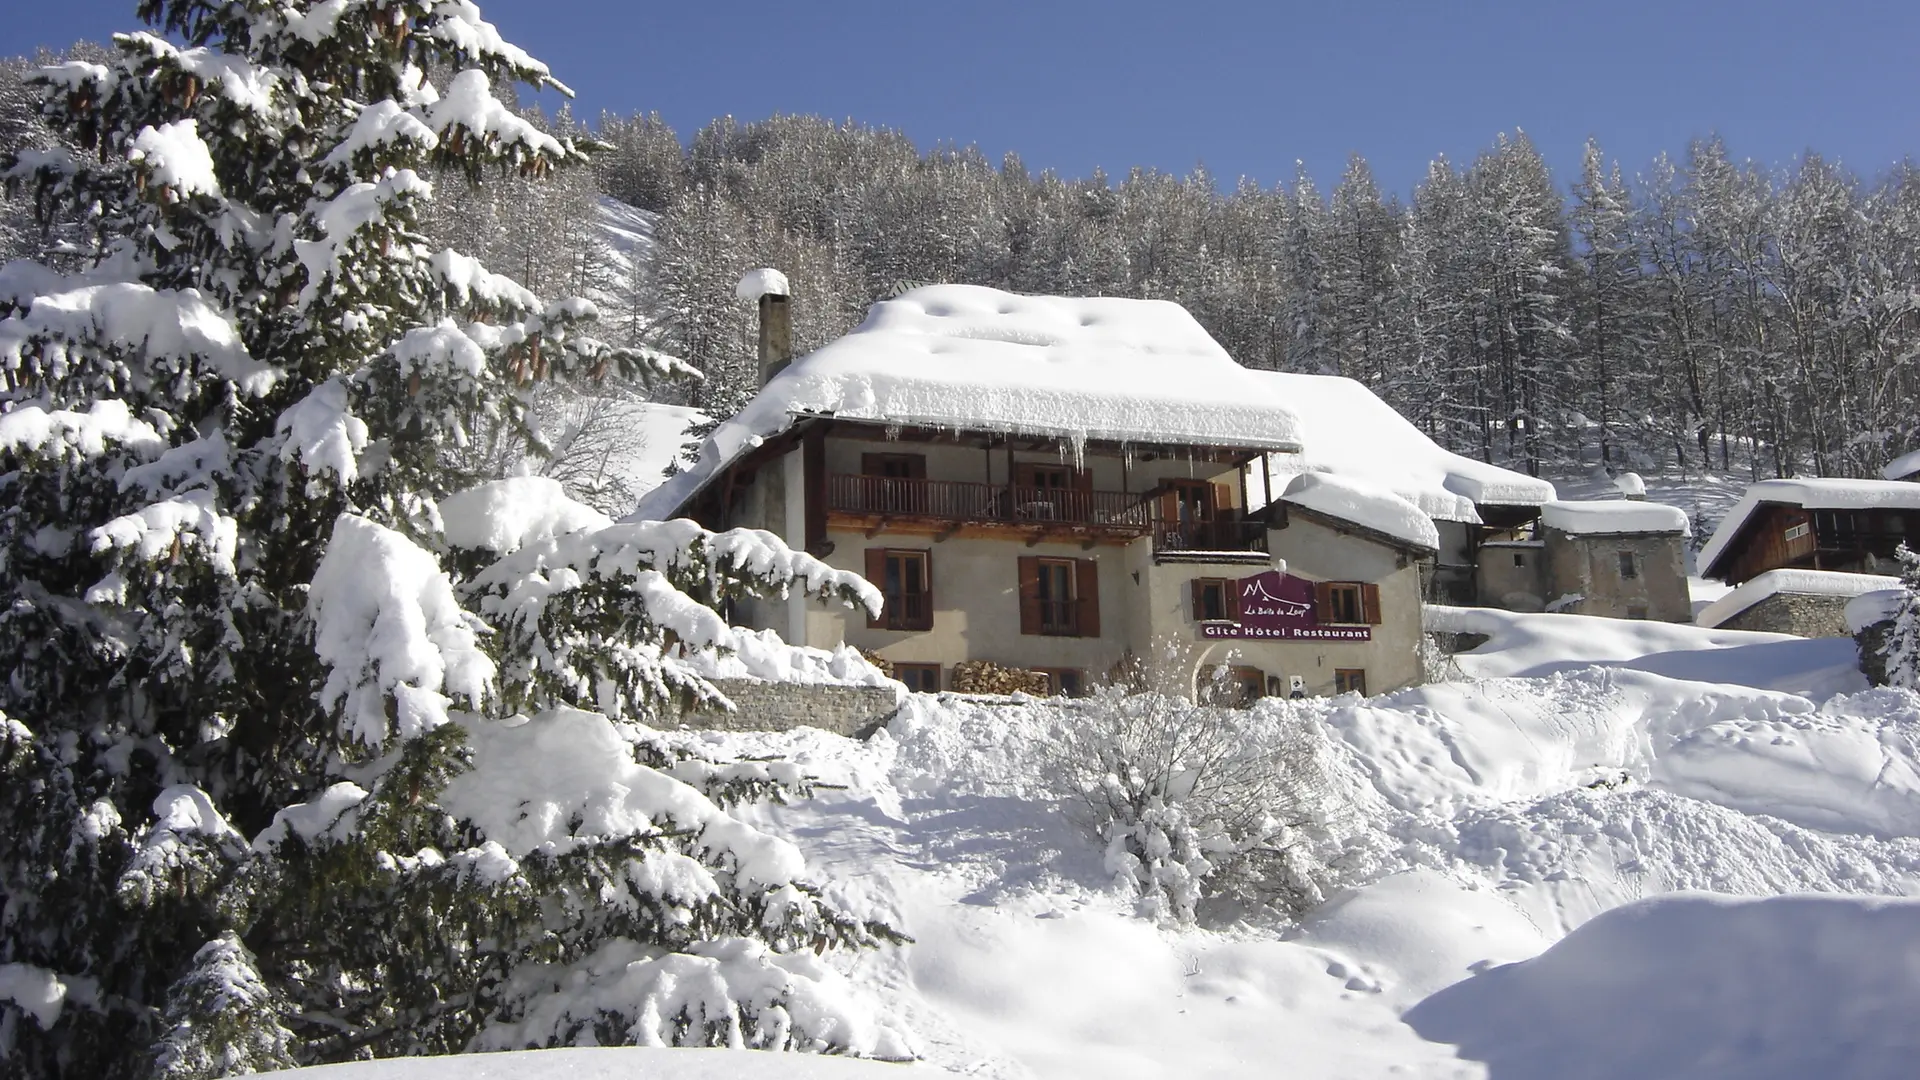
1510,819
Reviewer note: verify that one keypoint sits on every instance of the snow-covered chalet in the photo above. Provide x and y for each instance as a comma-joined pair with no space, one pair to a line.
1060,487
1797,550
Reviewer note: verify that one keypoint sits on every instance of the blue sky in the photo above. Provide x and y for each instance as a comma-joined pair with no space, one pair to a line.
1245,87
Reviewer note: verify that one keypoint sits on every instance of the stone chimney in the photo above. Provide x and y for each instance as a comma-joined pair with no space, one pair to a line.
769,288
1630,486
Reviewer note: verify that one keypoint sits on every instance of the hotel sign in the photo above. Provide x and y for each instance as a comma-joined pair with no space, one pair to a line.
1278,607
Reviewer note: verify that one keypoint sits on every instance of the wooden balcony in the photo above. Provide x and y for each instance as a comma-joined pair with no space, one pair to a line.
945,507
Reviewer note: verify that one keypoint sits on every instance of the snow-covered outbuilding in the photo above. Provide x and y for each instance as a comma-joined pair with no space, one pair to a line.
1062,486
1810,603
1814,523
1905,467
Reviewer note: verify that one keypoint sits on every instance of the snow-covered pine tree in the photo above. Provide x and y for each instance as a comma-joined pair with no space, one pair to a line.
316,747
1903,640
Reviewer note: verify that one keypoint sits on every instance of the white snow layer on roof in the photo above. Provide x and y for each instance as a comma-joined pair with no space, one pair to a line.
1363,504
1599,517
1873,607
765,281
1812,493
1797,582
1345,428
1907,464
973,358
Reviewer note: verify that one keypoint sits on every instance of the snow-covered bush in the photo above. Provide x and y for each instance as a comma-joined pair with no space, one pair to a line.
317,745
1199,804
1902,653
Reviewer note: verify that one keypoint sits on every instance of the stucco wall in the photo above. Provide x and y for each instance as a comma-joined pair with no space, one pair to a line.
1515,588
1590,567
1793,613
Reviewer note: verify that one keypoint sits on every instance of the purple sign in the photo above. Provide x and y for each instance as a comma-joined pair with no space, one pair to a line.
1278,606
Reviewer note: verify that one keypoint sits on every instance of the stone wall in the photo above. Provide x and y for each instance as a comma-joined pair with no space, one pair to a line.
1794,613
765,706
1589,567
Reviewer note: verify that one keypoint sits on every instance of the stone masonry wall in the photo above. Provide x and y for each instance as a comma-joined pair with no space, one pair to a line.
764,706
1788,613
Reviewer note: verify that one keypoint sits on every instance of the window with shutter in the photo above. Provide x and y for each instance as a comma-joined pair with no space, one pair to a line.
905,580
1086,588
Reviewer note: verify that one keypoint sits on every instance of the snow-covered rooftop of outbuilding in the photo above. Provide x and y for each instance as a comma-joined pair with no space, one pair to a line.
1872,607
1604,517
964,357
1907,464
1812,493
1796,582
1365,504
1346,429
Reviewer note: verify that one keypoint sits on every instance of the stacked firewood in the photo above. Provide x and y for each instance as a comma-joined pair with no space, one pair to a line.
885,665
987,677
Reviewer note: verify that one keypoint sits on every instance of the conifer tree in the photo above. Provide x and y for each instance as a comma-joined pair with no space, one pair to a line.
318,744
1903,640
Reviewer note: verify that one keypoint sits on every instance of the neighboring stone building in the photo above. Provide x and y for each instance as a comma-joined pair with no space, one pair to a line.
1027,485
1810,603
1621,558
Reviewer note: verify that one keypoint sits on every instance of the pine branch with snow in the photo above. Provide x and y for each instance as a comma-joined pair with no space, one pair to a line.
1903,640
274,677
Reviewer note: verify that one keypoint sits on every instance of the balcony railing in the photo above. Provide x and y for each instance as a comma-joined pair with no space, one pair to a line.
1226,534
962,501
965,502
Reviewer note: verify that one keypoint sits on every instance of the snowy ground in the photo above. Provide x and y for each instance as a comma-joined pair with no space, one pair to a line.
1565,816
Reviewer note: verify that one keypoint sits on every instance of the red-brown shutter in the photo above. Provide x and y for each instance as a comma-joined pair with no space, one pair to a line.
1222,500
1370,604
1323,601
1197,595
925,621
1232,589
1086,591
877,573
1029,594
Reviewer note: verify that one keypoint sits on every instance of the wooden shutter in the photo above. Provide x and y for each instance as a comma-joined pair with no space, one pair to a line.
925,621
1086,594
1370,604
1323,602
1232,590
877,573
1222,500
1197,597
1029,594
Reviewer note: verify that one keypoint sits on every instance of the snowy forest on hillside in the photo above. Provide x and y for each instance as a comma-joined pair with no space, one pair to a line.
1670,317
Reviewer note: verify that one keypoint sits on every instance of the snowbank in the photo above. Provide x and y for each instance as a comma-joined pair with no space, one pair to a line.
1693,986
1872,607
1344,428
1363,504
1795,582
1602,517
967,357
1542,644
1812,493
602,1063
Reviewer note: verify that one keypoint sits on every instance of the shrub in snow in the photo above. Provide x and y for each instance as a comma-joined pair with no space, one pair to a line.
315,746
1901,657
1199,803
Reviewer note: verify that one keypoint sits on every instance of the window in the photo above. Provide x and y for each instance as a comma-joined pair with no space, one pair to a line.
920,678
905,579
1235,687
1059,597
1343,603
1064,682
1058,614
1519,559
1212,600
1795,532
1629,567
1352,602
1354,679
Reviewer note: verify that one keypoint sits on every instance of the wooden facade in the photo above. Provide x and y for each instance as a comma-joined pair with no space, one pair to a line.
1785,536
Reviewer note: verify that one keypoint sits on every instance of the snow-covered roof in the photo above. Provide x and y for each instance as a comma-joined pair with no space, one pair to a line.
1796,582
1907,464
1364,504
963,357
1605,517
1812,493
1872,607
1344,428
